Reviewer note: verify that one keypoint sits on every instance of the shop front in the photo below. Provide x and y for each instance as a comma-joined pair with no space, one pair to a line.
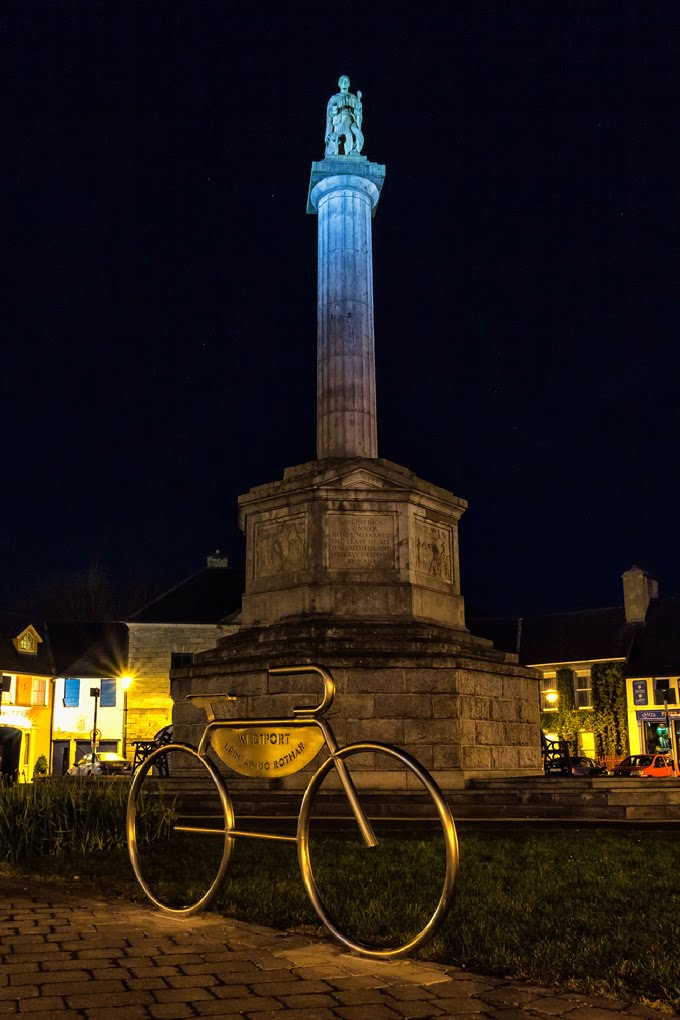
20,744
654,716
658,734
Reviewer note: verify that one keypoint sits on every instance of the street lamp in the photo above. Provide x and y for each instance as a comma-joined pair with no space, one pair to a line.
125,683
94,693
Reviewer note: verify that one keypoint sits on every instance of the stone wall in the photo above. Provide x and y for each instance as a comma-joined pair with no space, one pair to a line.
150,648
463,715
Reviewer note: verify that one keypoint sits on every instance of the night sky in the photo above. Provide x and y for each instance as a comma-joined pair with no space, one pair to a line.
160,272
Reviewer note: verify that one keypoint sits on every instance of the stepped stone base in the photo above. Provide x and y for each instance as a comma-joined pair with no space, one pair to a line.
512,801
463,709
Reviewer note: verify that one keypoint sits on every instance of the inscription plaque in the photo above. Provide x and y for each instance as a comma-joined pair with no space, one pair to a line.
431,550
361,541
266,752
280,546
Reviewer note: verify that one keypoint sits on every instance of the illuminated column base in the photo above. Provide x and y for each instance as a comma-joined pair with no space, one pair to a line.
344,192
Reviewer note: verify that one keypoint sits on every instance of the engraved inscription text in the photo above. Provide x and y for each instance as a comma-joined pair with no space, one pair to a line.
361,541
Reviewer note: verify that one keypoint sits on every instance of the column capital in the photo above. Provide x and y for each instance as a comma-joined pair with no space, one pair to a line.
345,171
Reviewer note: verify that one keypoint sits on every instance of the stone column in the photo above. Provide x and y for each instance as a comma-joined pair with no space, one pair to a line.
344,192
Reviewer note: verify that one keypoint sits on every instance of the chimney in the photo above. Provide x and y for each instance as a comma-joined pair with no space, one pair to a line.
217,559
638,589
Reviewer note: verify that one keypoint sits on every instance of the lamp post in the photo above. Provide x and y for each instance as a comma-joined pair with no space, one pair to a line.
125,683
94,693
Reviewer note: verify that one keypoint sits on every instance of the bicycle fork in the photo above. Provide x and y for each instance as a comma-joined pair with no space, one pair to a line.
350,789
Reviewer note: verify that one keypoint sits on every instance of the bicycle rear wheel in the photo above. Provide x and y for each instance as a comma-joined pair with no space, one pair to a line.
388,900
178,829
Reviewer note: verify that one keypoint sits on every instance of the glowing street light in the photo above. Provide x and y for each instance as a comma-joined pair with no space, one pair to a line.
551,697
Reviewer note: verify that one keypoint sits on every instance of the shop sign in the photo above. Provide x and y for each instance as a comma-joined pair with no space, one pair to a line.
16,717
652,715
640,696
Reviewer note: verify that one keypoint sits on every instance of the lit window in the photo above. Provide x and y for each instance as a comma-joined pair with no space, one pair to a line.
27,641
39,691
107,698
549,692
584,691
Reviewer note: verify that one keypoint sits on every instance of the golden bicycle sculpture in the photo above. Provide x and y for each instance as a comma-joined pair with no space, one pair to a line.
273,748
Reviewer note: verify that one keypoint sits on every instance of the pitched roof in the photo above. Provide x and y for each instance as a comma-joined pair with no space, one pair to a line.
576,637
656,650
208,596
14,661
87,649
68,648
649,649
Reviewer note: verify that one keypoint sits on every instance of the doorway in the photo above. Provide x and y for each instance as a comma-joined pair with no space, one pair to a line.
10,753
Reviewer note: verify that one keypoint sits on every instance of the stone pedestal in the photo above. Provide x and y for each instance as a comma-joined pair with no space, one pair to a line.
465,710
353,539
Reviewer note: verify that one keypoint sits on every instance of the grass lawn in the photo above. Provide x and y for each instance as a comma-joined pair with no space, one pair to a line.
593,910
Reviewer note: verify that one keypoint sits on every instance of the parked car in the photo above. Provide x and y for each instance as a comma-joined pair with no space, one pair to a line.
106,763
574,765
645,765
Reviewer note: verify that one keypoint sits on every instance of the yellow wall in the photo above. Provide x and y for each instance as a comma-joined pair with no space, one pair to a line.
33,720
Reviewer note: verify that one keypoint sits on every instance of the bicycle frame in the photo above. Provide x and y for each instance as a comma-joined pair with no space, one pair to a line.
256,737
266,748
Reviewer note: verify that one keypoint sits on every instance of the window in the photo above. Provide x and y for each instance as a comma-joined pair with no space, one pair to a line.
27,749
71,693
27,642
663,692
584,692
181,659
6,684
107,698
549,692
39,691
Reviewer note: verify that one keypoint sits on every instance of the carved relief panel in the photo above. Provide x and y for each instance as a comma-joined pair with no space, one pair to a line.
281,546
432,550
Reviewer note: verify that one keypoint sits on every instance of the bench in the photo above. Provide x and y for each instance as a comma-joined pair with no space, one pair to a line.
143,749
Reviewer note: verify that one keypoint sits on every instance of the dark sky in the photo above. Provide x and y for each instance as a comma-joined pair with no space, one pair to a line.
160,311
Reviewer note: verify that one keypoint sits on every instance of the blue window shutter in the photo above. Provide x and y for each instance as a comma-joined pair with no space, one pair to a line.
71,693
108,695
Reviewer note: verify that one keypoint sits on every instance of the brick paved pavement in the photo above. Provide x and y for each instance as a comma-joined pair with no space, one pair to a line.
71,959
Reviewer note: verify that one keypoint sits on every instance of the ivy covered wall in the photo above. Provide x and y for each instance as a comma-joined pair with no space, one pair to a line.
608,719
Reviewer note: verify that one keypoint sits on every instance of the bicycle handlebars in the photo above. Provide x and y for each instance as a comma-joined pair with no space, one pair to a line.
205,700
328,689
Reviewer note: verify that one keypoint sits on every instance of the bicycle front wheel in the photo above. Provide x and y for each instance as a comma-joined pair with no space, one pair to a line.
178,828
386,900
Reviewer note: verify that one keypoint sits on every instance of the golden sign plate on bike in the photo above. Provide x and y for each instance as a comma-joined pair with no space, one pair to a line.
267,752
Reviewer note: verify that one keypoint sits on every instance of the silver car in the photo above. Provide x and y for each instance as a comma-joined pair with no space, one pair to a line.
106,763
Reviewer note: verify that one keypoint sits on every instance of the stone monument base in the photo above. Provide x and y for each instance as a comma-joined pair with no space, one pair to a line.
352,538
462,708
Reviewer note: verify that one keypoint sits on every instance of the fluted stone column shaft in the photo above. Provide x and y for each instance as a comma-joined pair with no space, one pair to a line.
346,402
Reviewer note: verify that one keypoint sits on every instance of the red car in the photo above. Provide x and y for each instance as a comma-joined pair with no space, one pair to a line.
645,765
